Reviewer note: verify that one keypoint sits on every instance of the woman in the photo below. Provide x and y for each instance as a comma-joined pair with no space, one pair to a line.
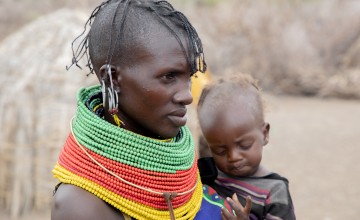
129,155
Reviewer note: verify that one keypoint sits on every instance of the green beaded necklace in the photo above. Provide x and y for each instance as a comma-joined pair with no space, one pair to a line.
128,147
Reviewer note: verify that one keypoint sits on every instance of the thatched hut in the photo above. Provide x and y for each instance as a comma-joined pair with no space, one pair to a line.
37,101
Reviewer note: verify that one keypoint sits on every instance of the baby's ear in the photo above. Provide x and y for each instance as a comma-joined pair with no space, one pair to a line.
266,130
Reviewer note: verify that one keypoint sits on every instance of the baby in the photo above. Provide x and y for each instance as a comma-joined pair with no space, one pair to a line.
231,117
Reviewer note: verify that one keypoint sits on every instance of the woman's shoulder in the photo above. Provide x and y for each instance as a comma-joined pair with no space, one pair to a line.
72,202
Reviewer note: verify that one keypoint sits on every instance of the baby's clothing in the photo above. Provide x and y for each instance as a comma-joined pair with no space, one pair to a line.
270,194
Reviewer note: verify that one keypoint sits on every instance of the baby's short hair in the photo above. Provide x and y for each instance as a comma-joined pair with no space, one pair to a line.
228,88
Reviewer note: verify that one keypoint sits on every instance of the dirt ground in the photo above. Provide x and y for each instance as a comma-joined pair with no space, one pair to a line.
315,144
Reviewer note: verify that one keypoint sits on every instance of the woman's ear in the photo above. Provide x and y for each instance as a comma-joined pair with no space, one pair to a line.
266,130
111,75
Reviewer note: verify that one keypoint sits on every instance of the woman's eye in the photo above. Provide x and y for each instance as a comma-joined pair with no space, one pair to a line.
170,76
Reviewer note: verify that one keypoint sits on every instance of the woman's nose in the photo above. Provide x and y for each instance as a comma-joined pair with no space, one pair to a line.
184,96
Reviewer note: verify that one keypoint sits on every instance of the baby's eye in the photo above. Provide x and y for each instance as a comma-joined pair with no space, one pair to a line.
246,146
220,153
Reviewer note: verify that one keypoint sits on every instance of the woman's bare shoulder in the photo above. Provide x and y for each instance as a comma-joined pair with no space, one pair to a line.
72,202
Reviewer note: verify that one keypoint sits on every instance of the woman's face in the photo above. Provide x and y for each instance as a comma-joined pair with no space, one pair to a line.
155,88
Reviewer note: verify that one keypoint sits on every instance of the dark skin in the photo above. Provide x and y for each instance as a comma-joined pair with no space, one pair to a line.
74,203
236,136
153,94
241,212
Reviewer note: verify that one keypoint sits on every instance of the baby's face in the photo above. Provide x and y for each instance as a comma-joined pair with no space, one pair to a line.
235,139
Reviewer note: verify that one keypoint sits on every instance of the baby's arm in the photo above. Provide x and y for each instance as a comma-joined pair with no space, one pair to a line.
241,213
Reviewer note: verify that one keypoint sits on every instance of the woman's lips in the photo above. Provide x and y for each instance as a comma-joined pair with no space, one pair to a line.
178,117
178,121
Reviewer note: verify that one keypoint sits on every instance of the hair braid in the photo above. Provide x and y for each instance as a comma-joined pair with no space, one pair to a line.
83,47
166,15
113,26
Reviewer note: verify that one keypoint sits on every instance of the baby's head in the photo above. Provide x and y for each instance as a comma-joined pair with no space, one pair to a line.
231,117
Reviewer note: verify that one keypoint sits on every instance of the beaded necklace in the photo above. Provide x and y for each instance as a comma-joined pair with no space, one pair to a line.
129,171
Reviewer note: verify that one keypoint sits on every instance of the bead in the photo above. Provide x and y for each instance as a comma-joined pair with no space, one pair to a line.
135,209
151,164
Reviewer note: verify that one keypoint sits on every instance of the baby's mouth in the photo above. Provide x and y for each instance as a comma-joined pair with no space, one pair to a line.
238,167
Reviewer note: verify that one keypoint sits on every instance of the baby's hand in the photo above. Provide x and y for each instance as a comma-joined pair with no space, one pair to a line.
242,213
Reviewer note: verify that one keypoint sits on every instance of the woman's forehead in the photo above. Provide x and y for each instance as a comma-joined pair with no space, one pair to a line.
160,47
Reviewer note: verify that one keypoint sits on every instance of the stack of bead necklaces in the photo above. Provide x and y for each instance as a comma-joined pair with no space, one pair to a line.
144,178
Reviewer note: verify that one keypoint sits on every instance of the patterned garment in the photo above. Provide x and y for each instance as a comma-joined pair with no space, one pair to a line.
270,194
211,205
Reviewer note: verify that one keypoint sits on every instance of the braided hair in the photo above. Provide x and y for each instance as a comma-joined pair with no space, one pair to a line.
115,25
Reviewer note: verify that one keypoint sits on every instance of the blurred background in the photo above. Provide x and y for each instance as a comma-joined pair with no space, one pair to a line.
305,54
